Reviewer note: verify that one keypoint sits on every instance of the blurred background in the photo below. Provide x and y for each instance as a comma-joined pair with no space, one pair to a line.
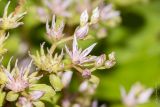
136,41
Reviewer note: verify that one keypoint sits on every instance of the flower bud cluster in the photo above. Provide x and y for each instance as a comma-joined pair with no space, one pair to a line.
82,30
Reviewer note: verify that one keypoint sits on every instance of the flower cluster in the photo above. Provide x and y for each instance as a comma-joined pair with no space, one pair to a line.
105,14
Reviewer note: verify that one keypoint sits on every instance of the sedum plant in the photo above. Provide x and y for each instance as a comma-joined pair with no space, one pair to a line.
24,86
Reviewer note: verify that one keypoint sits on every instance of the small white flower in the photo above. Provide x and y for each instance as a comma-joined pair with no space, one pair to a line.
19,79
12,20
84,18
137,95
107,12
54,33
59,7
77,55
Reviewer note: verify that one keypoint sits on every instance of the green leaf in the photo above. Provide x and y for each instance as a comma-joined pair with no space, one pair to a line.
56,82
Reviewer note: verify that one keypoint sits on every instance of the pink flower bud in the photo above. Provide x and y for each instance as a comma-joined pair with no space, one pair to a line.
86,74
81,32
100,60
84,18
109,63
95,16
112,56
35,95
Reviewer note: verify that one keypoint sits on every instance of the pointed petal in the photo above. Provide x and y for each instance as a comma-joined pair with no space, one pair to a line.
87,51
53,21
47,26
6,9
75,46
123,92
144,96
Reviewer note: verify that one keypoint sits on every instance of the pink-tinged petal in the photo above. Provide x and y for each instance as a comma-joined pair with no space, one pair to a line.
66,3
84,18
84,86
10,77
47,27
145,95
112,14
123,92
6,10
87,51
24,102
60,29
81,32
108,8
35,95
75,46
66,78
53,21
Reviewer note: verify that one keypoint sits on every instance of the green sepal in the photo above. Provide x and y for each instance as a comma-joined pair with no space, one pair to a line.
94,79
2,97
38,104
12,96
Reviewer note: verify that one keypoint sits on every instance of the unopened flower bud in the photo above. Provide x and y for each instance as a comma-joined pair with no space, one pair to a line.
12,96
24,102
84,18
100,60
112,56
86,74
83,87
109,63
66,78
95,16
81,32
35,95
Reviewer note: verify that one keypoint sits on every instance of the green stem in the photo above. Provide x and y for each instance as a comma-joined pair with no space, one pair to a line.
2,32
78,68
53,47
65,40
